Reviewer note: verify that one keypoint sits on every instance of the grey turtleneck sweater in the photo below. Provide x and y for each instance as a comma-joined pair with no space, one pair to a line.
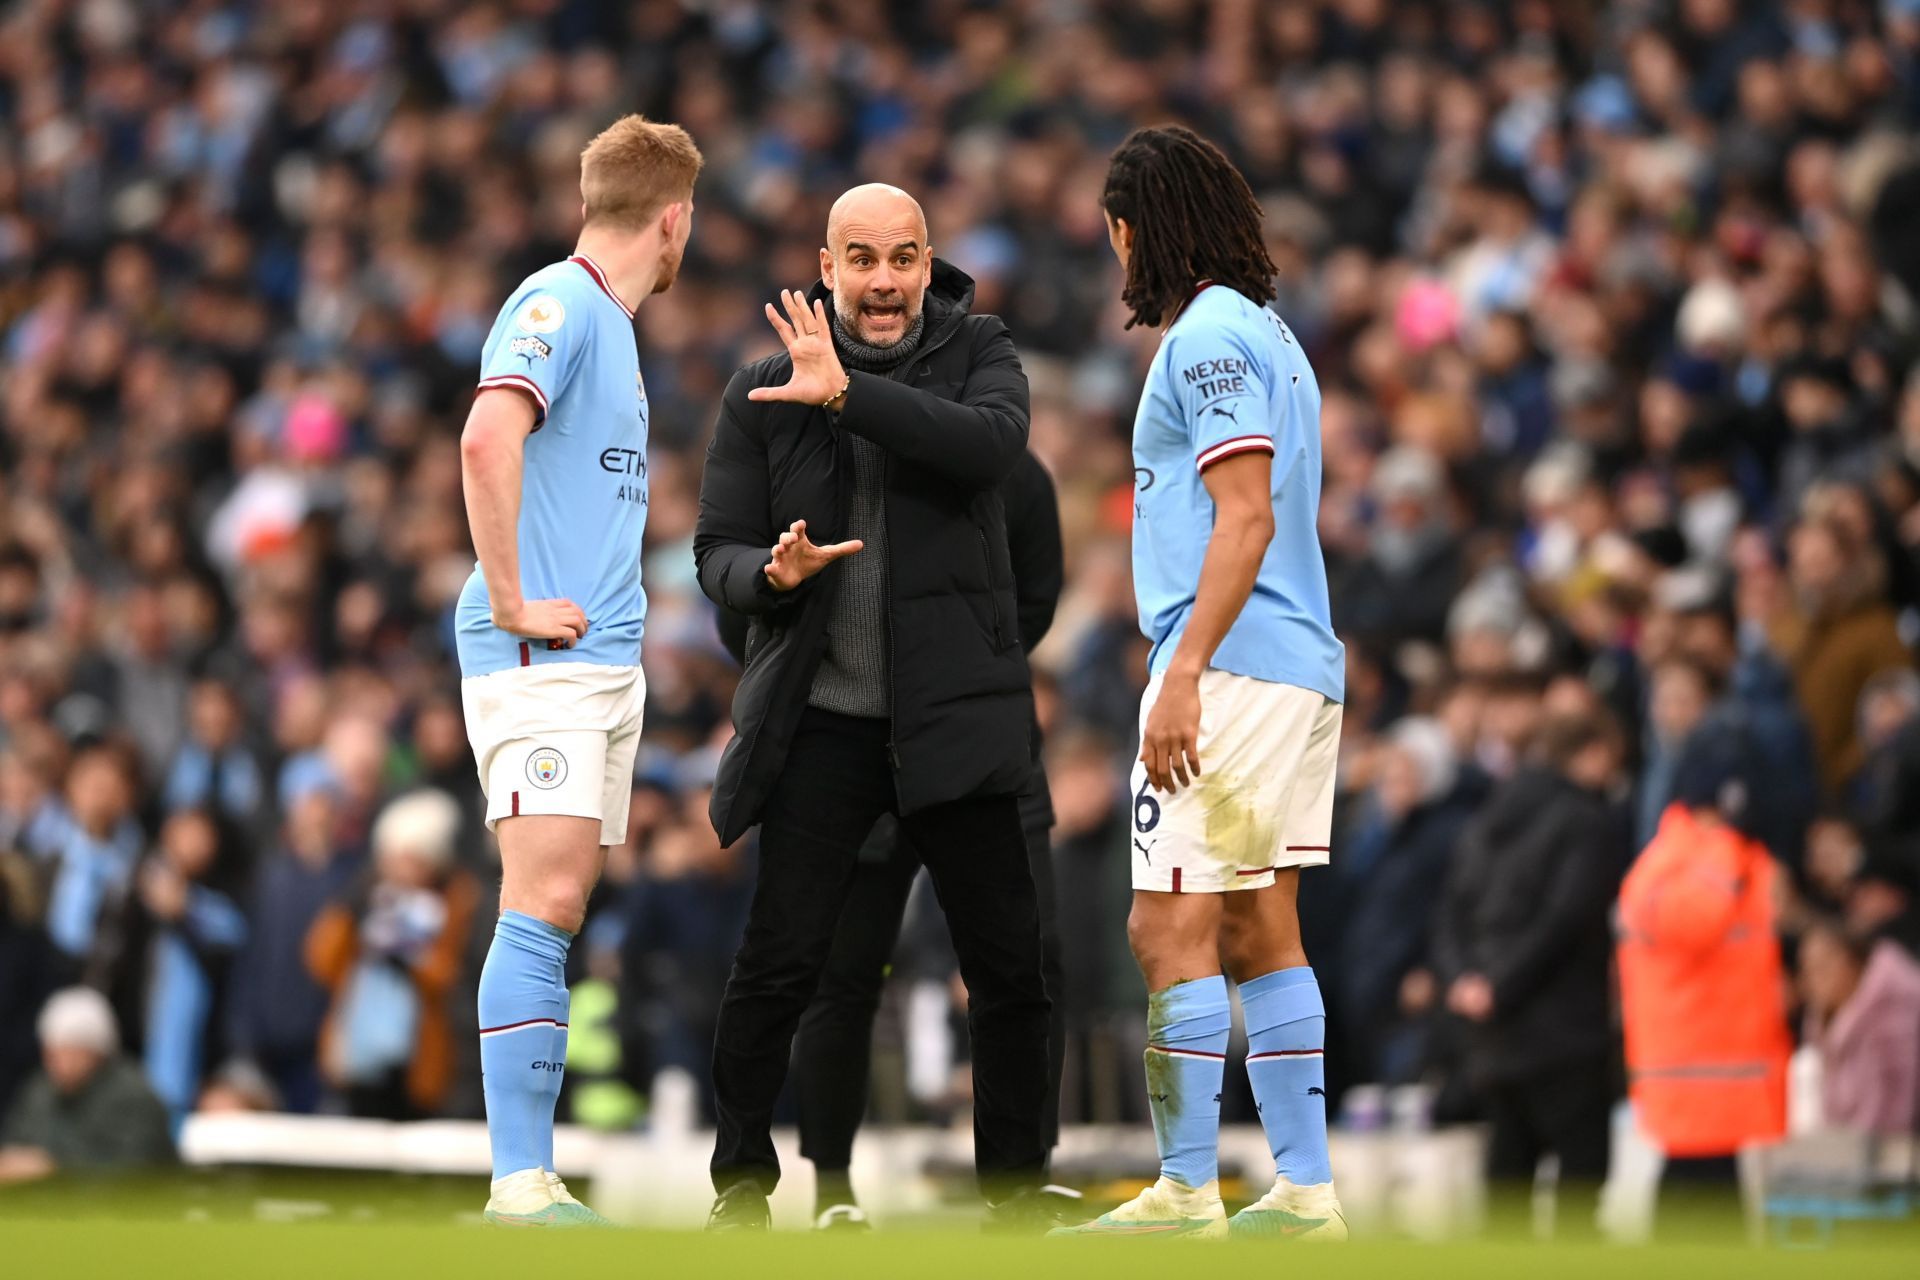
852,678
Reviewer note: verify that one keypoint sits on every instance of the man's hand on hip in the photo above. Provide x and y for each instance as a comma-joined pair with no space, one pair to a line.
817,375
561,622
795,558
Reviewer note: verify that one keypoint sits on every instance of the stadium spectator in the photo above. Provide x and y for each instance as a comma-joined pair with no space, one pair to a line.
1835,856
276,1007
149,682
389,952
1836,632
682,915
1883,897
89,1110
31,818
1100,985
92,843
1863,1011
26,958
1400,587
1522,953
1398,858
1756,700
213,768
1886,791
168,954
1682,694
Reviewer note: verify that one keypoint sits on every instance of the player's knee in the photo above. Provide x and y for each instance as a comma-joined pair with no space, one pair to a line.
555,901
1251,945
1240,953
1237,937
565,911
1167,941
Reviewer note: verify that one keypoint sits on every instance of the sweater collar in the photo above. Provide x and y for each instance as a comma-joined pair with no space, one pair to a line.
868,358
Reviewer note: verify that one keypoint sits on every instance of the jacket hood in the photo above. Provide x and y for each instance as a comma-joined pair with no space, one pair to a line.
948,300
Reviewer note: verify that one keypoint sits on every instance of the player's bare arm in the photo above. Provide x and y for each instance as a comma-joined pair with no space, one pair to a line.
492,458
1241,488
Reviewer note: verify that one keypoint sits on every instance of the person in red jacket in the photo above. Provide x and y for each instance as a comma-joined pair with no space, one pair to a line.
1702,988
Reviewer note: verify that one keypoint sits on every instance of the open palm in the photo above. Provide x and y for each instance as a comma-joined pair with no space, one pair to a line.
817,376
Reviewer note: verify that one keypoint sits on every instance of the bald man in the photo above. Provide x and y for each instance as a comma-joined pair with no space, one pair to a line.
851,509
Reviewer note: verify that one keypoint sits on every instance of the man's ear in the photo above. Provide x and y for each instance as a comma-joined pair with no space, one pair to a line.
826,268
926,267
670,219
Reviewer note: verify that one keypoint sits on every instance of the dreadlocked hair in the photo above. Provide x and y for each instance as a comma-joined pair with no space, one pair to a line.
1194,218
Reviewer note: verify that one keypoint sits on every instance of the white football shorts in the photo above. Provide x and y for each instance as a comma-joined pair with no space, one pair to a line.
1264,797
557,738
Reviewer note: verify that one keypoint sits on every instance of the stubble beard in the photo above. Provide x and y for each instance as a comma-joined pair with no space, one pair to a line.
854,323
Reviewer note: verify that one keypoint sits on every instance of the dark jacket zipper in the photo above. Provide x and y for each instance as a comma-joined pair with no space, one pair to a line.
893,750
886,482
986,558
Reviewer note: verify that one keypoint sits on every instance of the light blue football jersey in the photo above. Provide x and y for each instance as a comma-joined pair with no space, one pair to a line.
566,339
1230,378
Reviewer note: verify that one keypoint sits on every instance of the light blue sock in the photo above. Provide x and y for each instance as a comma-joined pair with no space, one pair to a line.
1187,1026
1286,1037
557,1069
523,1039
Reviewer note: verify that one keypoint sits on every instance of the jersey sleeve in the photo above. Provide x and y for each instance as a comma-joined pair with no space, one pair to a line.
534,345
1220,383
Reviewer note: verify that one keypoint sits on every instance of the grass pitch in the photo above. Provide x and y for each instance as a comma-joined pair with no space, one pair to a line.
331,1251
289,1227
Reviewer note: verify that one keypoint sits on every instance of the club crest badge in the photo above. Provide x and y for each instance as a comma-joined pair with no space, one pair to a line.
546,768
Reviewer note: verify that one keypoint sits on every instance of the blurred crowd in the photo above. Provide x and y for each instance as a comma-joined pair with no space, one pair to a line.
1615,309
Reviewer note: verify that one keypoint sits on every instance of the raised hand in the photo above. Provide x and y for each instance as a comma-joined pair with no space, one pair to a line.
817,376
795,558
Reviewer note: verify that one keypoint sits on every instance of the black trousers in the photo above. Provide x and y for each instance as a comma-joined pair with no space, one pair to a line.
832,1056
836,783
1567,1111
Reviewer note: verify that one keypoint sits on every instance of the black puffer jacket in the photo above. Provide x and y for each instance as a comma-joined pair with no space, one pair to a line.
952,429
1039,573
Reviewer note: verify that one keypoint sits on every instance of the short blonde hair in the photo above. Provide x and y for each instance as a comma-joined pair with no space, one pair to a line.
635,168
